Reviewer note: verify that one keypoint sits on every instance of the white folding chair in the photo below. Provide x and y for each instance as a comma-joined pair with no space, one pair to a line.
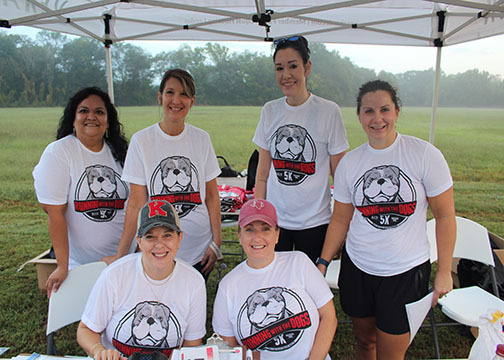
332,274
465,305
67,304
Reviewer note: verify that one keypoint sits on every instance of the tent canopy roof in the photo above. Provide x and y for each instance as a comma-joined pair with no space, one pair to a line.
391,22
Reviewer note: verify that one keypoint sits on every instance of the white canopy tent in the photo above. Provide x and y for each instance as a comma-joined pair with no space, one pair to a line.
388,22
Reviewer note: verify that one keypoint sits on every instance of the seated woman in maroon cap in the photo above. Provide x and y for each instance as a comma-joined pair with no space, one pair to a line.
147,301
274,303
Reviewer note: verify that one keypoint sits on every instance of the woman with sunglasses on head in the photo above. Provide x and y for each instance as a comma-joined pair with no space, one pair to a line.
301,139
382,190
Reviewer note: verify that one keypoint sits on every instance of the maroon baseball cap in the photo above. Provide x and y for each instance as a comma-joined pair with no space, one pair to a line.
257,209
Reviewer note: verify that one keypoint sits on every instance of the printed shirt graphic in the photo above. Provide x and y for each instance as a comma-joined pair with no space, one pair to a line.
274,309
177,169
149,326
386,195
389,189
294,154
176,180
300,140
99,193
89,183
272,319
135,314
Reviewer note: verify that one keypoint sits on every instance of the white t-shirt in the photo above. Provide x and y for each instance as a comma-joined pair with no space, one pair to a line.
300,140
90,184
273,310
389,189
176,169
134,315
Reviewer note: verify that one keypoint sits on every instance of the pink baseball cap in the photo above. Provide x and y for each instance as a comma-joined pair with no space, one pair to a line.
257,209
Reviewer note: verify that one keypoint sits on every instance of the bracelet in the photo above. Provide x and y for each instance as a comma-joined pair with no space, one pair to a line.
91,351
322,261
213,246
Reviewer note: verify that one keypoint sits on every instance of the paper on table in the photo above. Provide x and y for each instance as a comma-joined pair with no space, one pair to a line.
417,311
3,349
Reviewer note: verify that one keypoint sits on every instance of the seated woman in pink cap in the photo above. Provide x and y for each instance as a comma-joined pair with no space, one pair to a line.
276,304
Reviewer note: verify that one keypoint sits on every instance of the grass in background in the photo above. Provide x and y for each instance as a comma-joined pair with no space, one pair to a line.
472,141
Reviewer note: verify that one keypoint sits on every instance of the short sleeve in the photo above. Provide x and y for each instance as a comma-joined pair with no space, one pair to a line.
259,138
133,171
437,177
341,191
220,320
212,169
315,283
337,141
196,328
52,178
98,311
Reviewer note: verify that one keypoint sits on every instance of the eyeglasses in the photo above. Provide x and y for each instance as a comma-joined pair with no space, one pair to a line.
282,40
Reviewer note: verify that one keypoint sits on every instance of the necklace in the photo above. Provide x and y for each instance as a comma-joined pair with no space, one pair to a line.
171,131
151,281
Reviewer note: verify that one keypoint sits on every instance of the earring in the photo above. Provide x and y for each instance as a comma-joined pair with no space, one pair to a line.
106,134
73,130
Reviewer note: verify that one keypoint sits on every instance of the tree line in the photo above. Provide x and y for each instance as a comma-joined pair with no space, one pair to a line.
47,70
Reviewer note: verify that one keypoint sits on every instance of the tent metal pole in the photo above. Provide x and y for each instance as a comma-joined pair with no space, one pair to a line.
435,96
110,79
108,56
441,15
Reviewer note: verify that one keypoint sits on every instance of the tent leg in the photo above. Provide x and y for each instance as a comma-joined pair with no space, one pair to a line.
110,79
435,96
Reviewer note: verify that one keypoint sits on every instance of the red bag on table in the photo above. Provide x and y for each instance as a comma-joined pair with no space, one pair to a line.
232,198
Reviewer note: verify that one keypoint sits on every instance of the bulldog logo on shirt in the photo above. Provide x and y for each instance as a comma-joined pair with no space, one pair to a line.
293,154
272,319
99,193
147,328
176,180
386,195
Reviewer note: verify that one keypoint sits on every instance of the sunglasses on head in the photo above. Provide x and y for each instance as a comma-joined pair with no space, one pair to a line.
282,40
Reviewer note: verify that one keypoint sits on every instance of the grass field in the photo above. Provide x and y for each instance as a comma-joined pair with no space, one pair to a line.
471,140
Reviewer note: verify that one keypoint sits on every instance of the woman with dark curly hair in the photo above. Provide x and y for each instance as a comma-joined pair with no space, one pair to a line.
78,183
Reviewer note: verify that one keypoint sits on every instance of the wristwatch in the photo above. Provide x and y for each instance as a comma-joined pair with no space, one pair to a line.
322,261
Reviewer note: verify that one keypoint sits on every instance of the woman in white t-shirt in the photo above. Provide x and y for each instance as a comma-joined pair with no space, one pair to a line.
146,301
274,303
78,183
301,139
382,190
175,161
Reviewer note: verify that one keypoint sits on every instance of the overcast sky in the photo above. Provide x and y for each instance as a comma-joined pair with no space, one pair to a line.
486,54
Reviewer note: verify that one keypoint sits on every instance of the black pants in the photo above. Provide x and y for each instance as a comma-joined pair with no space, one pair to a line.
199,267
310,241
